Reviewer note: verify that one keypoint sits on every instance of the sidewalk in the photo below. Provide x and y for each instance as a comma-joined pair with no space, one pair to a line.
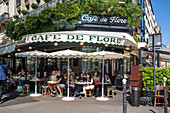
46,104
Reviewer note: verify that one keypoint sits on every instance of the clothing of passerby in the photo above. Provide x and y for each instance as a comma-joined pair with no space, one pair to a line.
3,73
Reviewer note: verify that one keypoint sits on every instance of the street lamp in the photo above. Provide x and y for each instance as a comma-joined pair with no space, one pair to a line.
155,43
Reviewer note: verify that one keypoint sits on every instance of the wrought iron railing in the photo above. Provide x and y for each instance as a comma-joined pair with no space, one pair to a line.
4,16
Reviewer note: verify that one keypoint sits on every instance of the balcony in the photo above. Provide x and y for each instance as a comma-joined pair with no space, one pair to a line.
4,16
51,4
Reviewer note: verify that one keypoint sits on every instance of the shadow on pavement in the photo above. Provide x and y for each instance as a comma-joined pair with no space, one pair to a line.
11,97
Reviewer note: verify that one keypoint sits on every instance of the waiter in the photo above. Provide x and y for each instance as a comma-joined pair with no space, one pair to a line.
3,73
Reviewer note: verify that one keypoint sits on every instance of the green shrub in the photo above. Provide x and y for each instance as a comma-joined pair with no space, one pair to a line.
10,30
20,30
159,73
67,10
47,1
24,12
32,23
15,16
34,6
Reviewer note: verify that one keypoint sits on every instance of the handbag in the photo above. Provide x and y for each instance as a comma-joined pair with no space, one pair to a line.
96,83
19,88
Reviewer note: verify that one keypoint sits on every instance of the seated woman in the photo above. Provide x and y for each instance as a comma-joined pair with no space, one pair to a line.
28,75
96,83
89,85
71,84
107,79
52,78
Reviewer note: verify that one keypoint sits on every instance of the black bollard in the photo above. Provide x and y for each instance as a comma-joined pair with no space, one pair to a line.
124,96
165,96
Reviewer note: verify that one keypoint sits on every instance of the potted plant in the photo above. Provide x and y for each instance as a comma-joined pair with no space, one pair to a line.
24,12
34,6
16,17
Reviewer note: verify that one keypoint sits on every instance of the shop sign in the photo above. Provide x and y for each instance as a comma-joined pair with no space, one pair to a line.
74,38
102,19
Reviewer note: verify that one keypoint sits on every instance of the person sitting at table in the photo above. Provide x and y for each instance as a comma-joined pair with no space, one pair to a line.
28,75
106,79
71,84
9,80
61,82
71,72
96,83
53,78
89,84
81,78
22,73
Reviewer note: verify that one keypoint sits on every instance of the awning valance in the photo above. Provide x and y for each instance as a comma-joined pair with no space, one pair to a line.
6,48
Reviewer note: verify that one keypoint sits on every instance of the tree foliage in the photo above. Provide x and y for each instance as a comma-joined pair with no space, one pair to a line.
66,15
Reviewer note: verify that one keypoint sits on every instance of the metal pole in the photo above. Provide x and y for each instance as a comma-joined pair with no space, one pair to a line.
36,76
124,96
154,61
165,96
158,59
68,80
103,79
140,57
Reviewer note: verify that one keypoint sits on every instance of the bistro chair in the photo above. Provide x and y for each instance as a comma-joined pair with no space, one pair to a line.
41,83
26,88
89,92
157,95
110,92
44,86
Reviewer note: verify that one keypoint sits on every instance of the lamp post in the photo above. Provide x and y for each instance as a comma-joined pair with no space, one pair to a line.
153,40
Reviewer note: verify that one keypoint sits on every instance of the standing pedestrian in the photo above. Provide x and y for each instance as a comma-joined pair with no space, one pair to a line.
3,73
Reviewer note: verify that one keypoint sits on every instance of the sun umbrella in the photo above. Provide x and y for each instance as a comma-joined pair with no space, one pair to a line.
67,54
34,54
104,55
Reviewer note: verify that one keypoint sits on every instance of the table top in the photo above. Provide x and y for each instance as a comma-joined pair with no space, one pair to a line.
106,83
82,83
33,80
16,77
52,82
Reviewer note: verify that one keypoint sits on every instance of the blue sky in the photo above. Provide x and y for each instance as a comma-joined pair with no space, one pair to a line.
162,12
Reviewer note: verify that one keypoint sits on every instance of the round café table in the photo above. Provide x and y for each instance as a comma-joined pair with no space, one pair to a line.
81,83
35,94
102,98
52,83
16,77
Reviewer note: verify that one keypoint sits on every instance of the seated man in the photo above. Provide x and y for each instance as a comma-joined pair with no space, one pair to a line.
52,78
61,82
81,78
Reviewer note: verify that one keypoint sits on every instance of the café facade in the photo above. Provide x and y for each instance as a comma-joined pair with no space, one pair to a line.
94,33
